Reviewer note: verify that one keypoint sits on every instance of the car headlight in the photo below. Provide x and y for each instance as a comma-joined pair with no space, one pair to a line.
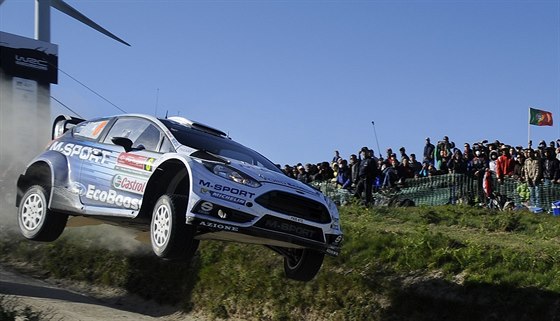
232,174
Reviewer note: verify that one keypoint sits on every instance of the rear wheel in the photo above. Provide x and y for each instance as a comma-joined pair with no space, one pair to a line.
302,264
36,221
170,236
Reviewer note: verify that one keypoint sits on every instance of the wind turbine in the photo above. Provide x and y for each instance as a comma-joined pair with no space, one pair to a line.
43,19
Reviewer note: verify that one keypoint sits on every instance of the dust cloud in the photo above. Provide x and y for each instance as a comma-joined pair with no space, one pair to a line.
25,131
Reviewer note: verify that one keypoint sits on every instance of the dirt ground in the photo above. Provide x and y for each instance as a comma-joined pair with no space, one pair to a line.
62,300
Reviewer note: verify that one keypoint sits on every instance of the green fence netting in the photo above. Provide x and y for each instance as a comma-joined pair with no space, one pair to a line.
455,189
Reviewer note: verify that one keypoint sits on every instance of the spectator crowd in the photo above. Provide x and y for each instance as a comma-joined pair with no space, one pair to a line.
486,162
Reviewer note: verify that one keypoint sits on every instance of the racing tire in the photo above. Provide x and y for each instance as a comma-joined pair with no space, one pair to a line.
171,237
36,221
303,264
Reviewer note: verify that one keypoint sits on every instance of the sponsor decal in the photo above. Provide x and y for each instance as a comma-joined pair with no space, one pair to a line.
207,207
113,198
32,62
296,219
289,228
229,198
219,226
82,152
135,161
129,183
149,162
226,189
77,188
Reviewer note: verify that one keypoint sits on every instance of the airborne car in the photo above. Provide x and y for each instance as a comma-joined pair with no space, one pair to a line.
181,180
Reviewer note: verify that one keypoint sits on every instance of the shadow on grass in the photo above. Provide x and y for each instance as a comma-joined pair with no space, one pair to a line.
165,282
438,299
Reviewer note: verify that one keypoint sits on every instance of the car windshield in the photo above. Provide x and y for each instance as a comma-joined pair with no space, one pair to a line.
218,145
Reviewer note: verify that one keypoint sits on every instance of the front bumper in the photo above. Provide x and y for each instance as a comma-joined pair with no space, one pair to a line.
263,233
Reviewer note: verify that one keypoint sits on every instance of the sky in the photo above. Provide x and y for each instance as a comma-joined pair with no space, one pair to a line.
297,79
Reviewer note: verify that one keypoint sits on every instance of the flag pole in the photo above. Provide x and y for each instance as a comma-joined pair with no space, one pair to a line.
375,133
529,128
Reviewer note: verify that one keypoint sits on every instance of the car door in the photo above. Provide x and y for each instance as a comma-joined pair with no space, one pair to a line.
120,182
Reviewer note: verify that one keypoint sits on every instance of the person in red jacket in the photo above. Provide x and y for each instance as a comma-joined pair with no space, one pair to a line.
504,164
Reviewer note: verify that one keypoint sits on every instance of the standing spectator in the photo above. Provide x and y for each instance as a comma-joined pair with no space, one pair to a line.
492,161
540,150
336,157
478,168
366,174
289,171
533,175
312,171
324,172
551,172
457,165
518,167
467,152
355,168
443,154
344,177
429,149
504,165
303,176
550,167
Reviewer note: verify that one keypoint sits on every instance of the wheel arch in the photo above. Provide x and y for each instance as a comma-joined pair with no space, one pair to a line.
42,172
172,176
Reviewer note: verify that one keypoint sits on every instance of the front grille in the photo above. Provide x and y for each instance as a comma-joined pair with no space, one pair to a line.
294,228
294,205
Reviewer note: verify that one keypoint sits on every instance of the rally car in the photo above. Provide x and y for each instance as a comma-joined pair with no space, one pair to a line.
181,180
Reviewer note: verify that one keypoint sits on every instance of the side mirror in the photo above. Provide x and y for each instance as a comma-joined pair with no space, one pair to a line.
126,143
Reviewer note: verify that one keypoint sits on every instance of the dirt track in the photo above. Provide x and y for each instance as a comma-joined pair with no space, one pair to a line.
55,300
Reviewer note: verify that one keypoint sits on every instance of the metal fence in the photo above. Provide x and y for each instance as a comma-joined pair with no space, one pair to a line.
455,189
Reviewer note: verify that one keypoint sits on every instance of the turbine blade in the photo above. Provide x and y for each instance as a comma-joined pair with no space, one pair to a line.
67,9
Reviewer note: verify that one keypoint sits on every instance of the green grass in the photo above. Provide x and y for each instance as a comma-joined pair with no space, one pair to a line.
422,263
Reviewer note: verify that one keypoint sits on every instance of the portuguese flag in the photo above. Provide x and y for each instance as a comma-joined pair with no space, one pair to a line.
540,117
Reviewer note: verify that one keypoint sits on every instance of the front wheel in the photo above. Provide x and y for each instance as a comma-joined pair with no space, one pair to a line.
36,221
171,238
303,264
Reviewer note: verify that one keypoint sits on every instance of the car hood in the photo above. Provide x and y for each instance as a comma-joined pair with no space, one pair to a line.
265,175
258,173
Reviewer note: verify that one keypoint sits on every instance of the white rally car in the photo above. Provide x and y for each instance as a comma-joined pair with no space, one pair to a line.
182,180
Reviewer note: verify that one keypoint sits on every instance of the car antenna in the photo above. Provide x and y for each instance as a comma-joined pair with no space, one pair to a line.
166,113
157,102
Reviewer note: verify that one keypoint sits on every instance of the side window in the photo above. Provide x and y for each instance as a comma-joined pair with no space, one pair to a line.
90,130
141,132
166,146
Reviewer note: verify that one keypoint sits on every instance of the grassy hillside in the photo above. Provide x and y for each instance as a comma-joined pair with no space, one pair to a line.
426,263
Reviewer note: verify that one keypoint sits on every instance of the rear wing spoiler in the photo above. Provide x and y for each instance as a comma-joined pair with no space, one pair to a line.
63,123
